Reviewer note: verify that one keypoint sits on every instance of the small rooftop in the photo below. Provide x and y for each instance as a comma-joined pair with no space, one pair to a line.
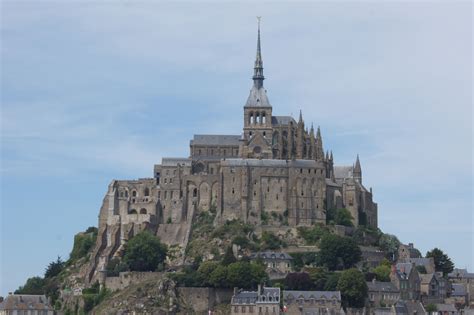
329,295
25,302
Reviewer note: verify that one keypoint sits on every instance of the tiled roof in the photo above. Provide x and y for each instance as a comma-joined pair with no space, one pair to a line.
381,286
329,295
25,302
271,255
217,140
446,308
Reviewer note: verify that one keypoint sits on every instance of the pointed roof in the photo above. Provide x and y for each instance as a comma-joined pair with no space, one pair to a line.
300,120
258,95
357,168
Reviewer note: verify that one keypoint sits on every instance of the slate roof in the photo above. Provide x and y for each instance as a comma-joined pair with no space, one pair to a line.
382,286
175,161
271,255
420,261
446,308
458,289
251,297
217,140
257,98
25,302
270,163
461,273
403,270
282,120
329,295
409,308
342,172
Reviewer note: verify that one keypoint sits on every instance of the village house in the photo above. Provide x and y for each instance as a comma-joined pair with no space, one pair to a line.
407,252
278,265
263,301
312,302
382,293
22,304
407,279
466,278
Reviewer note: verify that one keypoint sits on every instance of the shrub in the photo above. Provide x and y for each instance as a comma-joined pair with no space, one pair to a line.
271,241
312,235
144,252
83,243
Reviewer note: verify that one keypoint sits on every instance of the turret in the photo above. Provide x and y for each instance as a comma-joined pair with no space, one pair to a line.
300,137
319,146
312,144
357,173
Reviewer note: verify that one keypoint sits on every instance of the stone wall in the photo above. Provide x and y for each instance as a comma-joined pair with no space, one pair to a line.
201,300
128,278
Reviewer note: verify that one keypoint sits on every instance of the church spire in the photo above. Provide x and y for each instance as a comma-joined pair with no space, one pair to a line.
258,68
358,170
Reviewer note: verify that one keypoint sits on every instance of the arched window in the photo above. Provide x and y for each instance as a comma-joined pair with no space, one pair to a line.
147,192
252,118
195,192
133,211
264,120
142,211
134,193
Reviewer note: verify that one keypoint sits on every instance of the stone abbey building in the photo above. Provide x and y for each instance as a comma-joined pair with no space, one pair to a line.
276,165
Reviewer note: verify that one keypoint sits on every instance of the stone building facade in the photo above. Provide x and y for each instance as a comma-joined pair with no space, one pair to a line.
276,165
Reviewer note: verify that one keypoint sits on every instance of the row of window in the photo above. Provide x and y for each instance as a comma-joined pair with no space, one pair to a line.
250,309
222,152
146,193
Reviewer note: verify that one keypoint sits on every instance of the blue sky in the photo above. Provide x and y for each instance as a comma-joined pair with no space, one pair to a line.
96,91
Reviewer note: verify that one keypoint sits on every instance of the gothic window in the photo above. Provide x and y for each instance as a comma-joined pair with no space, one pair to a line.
134,193
147,192
171,195
264,134
142,211
171,180
264,120
121,194
126,193
166,195
133,211
166,180
195,192
257,150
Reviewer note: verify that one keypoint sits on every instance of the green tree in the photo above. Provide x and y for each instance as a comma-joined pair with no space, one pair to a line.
343,217
319,276
54,268
298,281
353,288
331,283
241,274
205,270
83,243
218,277
34,285
431,308
441,260
229,257
144,252
338,252
382,273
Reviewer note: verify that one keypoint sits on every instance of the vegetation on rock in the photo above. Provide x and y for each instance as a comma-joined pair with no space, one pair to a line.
337,253
353,288
144,252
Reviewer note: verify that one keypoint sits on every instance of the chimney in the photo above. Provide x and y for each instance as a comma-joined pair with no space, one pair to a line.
373,280
259,289
236,290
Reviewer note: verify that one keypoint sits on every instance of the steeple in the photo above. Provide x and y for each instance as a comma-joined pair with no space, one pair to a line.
300,120
319,146
258,68
357,170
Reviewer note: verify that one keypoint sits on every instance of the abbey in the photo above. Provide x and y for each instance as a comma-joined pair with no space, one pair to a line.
275,167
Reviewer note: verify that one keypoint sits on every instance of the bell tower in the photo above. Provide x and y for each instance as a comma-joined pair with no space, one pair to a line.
257,113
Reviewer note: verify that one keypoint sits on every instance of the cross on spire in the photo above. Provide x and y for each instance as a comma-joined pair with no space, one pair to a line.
258,68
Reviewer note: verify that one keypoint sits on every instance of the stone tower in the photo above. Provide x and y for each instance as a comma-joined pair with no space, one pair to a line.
257,114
